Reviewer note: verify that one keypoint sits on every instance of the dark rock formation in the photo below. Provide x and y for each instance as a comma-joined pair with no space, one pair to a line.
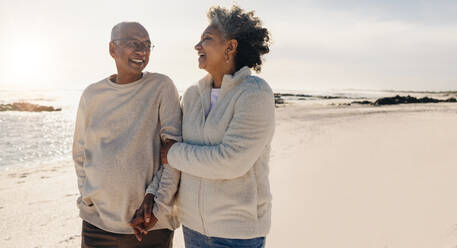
278,99
403,100
362,102
24,106
303,95
407,99
329,97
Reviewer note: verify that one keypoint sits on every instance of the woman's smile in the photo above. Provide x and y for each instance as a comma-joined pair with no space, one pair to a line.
201,56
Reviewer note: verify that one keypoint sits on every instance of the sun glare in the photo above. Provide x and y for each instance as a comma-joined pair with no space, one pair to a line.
28,63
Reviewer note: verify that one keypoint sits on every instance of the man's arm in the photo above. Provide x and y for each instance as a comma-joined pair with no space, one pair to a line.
170,116
78,143
161,191
165,182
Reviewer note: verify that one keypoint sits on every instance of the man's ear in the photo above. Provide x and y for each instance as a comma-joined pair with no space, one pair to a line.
232,46
112,49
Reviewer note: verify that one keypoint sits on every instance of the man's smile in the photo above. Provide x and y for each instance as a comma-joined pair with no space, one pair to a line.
137,61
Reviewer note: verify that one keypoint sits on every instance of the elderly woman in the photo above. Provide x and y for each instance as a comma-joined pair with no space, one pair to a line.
224,198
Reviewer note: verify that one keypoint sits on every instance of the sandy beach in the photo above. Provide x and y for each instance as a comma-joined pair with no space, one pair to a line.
341,176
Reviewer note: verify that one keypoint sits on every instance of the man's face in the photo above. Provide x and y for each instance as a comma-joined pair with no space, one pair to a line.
131,51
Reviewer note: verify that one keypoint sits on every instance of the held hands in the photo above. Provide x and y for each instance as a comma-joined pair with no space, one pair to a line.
164,150
143,219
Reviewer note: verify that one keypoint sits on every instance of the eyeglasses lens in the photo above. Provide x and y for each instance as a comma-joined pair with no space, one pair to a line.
138,46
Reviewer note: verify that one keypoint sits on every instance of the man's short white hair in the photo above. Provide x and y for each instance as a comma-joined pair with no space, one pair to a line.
116,32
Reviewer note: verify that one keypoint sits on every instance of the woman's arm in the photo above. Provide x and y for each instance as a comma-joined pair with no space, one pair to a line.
247,135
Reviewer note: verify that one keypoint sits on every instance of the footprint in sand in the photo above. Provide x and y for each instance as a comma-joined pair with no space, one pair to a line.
23,175
70,239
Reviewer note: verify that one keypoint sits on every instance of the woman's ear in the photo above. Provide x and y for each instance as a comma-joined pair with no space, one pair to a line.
232,45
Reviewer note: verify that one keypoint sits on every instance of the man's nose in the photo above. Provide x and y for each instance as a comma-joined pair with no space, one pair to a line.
141,52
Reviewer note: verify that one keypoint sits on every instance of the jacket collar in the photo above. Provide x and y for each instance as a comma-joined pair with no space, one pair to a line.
228,82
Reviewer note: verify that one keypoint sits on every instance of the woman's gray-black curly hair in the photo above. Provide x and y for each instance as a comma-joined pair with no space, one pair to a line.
253,39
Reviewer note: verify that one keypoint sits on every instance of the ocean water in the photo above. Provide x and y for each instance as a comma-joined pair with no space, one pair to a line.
30,139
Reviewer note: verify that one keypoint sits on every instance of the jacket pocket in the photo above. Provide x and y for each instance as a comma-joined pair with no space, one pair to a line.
234,199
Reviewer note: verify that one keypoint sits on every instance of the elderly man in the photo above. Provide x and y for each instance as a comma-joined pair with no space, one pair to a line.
121,122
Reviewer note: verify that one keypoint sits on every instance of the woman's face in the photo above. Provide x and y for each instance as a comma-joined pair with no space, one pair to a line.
211,50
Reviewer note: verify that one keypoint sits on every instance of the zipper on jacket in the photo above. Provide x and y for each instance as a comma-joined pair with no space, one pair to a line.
200,205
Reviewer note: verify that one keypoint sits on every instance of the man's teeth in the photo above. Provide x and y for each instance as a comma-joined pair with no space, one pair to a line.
137,60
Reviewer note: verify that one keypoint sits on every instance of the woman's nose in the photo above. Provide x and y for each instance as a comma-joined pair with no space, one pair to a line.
198,46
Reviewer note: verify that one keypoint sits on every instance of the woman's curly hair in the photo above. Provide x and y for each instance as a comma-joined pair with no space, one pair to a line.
253,39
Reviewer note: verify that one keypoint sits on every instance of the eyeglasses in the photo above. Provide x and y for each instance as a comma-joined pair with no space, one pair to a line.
137,45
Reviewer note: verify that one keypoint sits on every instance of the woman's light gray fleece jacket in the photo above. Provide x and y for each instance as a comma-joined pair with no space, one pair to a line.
225,191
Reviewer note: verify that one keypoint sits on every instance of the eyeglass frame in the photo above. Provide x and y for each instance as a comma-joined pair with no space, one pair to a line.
145,47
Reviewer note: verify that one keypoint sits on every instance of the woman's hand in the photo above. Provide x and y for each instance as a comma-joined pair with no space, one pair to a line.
164,150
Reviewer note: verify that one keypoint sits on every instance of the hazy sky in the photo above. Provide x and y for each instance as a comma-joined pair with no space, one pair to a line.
318,45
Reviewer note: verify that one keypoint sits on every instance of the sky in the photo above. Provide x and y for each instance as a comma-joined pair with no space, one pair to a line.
317,44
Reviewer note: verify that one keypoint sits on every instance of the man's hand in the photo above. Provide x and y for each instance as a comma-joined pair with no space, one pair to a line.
143,219
164,148
137,224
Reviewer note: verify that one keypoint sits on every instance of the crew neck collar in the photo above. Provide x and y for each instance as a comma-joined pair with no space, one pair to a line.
127,85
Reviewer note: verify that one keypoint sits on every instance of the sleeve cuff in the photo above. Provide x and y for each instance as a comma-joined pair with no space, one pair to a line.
160,215
166,136
153,187
172,160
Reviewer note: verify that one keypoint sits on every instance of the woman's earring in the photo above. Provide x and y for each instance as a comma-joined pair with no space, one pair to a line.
227,58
